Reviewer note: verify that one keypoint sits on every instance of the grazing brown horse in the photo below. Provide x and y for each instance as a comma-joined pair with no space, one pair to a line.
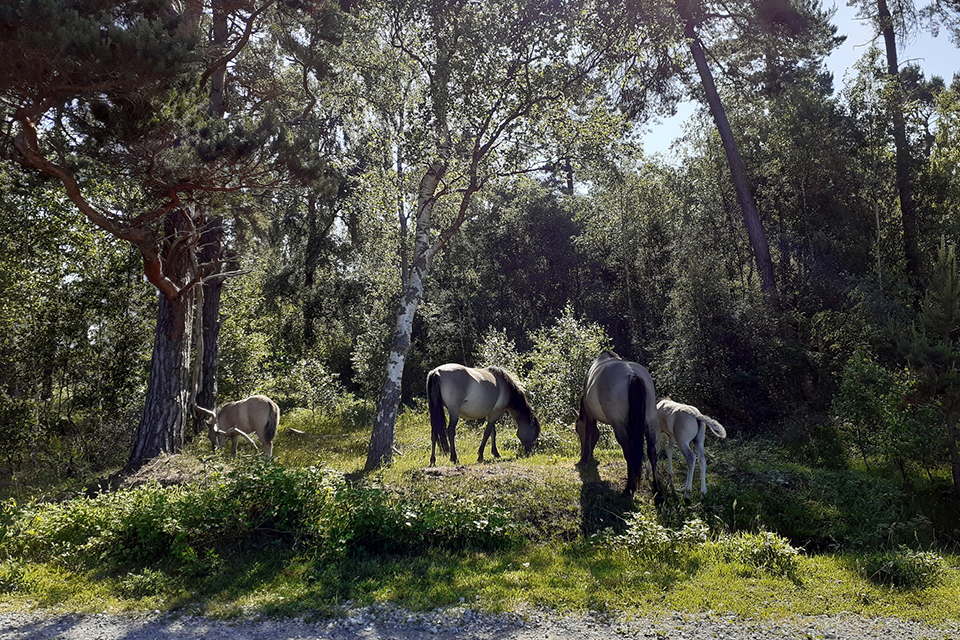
621,394
684,424
474,394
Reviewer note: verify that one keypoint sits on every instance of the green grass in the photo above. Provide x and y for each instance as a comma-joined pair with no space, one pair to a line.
294,538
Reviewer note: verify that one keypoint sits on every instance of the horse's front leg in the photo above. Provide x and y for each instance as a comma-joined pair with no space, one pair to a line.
651,437
487,433
589,435
670,444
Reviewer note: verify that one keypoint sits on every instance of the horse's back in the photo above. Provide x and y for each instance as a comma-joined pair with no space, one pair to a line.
471,392
607,387
677,421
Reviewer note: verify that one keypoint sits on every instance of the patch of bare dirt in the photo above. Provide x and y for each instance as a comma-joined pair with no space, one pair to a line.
480,472
168,470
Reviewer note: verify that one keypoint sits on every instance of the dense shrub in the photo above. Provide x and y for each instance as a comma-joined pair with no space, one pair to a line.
247,505
904,568
764,551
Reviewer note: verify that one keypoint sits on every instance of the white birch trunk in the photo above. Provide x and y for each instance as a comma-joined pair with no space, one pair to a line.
380,451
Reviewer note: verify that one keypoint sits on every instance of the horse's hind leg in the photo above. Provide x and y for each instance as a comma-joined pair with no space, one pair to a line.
691,463
452,436
703,462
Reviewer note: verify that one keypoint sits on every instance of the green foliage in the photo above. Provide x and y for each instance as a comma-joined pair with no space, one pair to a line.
560,357
904,568
375,521
497,350
75,326
876,418
763,550
643,533
551,372
251,504
932,347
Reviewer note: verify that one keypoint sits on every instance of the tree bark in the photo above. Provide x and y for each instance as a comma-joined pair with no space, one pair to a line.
904,169
751,217
164,419
211,244
380,451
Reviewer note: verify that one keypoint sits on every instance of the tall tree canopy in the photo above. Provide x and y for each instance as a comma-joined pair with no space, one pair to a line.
111,98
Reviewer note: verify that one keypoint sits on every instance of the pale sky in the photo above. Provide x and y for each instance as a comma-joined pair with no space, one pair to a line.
936,56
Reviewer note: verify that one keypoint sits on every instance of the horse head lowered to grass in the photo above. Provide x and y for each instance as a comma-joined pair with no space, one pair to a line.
474,394
621,394
256,414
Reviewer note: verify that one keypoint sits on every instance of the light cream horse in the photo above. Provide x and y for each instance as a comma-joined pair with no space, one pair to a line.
256,414
473,394
684,424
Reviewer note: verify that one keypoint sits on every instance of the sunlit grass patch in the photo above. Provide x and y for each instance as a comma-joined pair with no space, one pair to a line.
310,531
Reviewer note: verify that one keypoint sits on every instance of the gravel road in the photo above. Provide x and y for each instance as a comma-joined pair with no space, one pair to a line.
380,623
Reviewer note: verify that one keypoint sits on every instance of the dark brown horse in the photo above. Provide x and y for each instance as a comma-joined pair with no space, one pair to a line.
621,394
474,394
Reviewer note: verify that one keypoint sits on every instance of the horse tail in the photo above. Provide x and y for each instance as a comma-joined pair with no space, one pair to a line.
438,422
636,419
715,426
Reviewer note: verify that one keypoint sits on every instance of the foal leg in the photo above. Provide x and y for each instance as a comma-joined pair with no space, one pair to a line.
703,462
670,445
691,463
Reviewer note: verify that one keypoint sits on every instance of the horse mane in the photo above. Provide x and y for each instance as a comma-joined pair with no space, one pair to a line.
518,399
609,352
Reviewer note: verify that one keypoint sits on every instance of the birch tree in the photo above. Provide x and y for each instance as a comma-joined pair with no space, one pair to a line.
494,83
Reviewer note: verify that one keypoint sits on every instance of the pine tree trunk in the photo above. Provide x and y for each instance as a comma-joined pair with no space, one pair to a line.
751,217
211,243
164,420
380,451
908,208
